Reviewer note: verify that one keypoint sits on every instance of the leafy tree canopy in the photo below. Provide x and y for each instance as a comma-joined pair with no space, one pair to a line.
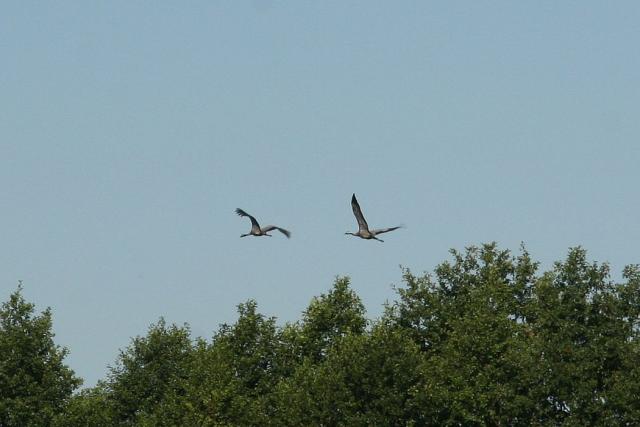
486,339
35,384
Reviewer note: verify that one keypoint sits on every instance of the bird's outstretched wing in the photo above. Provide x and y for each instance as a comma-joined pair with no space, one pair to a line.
384,230
273,227
362,223
254,224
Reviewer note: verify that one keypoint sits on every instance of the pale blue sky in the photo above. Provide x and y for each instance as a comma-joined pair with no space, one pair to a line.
130,131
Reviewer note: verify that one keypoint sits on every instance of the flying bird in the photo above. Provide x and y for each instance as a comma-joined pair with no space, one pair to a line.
363,229
255,227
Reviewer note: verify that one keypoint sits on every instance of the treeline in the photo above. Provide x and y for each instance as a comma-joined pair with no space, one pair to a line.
487,339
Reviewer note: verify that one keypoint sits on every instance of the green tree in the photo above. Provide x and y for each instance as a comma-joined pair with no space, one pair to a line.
328,318
484,340
237,371
89,407
147,384
623,392
363,380
469,324
35,384
583,322
246,361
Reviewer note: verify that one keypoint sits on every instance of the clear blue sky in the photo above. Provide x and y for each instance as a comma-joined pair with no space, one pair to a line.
130,131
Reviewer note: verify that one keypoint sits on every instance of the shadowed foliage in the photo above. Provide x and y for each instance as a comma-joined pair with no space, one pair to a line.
486,339
35,384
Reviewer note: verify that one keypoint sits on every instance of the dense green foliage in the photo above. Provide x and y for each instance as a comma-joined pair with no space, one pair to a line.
486,339
34,383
